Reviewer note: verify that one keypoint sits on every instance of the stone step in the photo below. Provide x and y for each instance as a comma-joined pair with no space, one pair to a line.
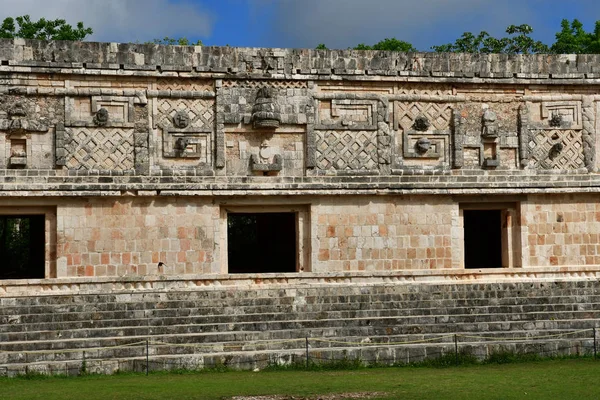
220,314
275,321
385,354
343,294
274,332
43,304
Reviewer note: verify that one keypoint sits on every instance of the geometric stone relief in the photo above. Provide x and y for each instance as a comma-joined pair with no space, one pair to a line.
428,144
559,115
423,89
201,112
346,150
425,129
486,138
555,136
347,114
196,85
105,111
265,83
186,144
555,149
187,126
99,148
438,114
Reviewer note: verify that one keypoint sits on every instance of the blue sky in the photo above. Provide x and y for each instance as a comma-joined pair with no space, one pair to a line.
306,23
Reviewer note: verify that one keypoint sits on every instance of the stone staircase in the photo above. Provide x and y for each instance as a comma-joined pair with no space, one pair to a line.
253,327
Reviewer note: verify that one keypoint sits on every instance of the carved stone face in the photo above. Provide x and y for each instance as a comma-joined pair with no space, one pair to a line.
101,117
17,110
181,119
555,151
556,120
421,123
422,145
490,127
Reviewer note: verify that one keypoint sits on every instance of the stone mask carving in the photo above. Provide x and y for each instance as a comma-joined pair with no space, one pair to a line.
421,123
556,120
489,124
555,151
101,117
265,112
423,145
181,119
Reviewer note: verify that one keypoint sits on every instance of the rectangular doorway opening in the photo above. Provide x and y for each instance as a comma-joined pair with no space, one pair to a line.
262,242
483,238
22,246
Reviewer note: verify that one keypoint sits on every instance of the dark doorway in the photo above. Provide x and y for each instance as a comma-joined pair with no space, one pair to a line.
261,242
22,246
483,238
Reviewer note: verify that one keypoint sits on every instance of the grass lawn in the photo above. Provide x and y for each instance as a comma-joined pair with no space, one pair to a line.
556,379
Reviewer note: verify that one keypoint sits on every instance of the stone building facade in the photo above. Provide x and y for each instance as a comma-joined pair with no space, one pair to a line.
161,161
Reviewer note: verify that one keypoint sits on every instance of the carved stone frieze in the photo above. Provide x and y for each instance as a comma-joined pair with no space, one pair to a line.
200,113
558,135
346,150
556,149
347,114
99,148
100,111
17,120
267,159
265,111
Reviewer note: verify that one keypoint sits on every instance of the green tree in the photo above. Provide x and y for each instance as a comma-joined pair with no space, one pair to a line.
388,44
321,46
573,39
182,41
518,42
43,29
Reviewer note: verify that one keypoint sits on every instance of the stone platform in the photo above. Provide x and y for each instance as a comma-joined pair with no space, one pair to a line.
249,322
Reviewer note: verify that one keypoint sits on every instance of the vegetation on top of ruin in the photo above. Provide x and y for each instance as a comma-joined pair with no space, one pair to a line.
182,41
42,29
571,39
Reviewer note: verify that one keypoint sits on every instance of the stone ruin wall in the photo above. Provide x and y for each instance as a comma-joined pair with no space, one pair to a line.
135,154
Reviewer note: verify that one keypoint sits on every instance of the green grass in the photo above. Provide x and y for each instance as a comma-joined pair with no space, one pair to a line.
554,379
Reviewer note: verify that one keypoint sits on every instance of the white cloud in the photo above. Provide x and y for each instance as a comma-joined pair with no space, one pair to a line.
345,23
120,20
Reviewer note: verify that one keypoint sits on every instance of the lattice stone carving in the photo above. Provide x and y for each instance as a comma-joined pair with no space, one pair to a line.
200,111
196,85
439,114
424,90
262,83
346,150
347,114
556,149
100,149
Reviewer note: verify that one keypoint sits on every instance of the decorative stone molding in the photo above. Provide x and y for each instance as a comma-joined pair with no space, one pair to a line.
17,121
589,134
524,136
265,112
100,111
458,139
266,160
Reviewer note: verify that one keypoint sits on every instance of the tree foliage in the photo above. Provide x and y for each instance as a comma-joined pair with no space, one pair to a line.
519,41
573,39
388,44
43,29
182,41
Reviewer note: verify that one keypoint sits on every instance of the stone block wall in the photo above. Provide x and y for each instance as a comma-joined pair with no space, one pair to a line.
131,236
138,151
562,230
383,234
